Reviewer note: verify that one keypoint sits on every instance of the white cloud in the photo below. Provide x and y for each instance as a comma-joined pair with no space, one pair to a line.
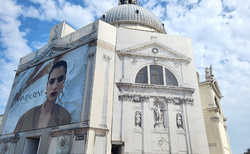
75,15
38,45
13,46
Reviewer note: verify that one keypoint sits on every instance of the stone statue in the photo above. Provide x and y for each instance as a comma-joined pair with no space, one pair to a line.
209,73
159,116
137,119
179,122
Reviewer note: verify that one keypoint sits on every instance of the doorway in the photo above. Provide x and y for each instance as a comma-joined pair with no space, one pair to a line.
31,145
116,149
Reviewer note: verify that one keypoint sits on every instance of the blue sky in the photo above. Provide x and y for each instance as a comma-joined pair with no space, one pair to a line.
219,30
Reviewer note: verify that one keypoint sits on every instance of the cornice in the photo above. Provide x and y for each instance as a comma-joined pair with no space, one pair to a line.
135,86
214,84
138,22
103,44
204,83
132,51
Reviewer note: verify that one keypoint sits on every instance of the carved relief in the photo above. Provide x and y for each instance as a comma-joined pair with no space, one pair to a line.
134,61
133,98
63,145
160,143
137,119
179,121
178,101
106,58
215,118
155,50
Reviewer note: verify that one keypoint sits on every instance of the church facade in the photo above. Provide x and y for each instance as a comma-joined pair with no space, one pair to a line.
128,87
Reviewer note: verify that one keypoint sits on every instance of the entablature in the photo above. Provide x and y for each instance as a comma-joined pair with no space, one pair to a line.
137,93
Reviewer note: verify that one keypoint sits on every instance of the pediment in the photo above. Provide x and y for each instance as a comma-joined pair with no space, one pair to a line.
153,49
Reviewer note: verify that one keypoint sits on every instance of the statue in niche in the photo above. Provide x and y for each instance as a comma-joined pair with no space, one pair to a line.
179,122
137,119
159,117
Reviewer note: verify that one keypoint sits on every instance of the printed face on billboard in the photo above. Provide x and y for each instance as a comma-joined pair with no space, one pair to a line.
49,94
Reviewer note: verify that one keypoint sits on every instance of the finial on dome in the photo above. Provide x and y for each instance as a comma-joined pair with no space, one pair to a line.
127,2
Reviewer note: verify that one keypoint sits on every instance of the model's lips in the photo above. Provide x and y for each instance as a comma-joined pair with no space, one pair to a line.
53,94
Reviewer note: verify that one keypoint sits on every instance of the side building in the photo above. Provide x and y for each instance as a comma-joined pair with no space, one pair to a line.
216,128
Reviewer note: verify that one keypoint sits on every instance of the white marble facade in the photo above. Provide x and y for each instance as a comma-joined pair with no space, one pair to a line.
140,95
160,117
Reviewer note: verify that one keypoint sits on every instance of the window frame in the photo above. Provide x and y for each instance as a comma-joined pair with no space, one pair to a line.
164,78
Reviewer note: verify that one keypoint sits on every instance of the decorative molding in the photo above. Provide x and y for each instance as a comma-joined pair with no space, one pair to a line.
133,98
215,118
132,51
155,50
103,44
132,87
141,99
179,100
213,109
134,61
106,58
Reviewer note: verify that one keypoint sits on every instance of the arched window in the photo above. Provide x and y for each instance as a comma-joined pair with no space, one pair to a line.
157,75
170,78
142,76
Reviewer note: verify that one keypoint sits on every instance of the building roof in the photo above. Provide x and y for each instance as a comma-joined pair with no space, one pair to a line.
127,14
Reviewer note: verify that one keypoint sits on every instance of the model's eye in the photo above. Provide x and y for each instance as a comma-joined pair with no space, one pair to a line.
60,79
52,81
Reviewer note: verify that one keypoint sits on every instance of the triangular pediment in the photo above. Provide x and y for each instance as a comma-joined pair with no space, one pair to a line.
154,49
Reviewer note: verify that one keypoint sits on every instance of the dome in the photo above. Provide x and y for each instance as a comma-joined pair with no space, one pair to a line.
128,14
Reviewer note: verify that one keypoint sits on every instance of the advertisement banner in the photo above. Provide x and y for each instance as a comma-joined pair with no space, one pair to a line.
48,94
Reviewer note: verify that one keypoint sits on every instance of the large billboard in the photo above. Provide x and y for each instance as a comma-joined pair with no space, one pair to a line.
48,94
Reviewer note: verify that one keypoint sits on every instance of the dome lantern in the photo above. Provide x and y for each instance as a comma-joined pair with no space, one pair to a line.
127,2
